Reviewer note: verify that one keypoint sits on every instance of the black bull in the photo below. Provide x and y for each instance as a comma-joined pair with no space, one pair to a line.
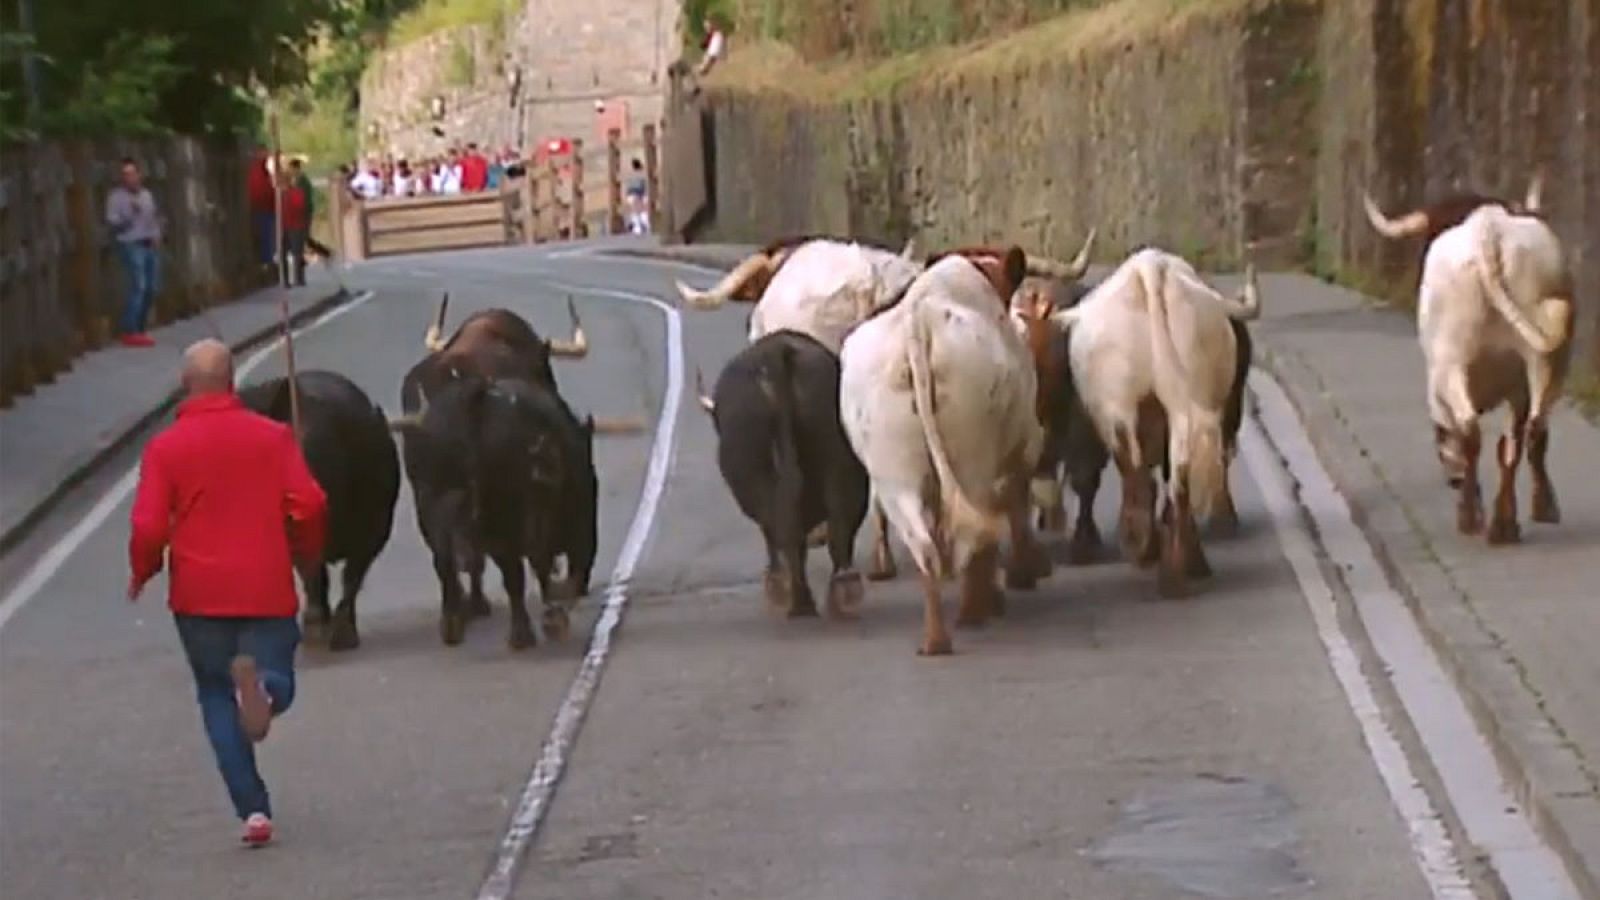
350,453
784,456
1073,444
501,467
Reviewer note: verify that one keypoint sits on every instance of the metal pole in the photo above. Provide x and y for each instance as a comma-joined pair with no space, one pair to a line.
283,293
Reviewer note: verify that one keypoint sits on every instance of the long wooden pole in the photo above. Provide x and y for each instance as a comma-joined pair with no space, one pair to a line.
283,291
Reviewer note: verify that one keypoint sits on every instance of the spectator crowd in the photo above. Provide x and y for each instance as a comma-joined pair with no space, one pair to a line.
458,171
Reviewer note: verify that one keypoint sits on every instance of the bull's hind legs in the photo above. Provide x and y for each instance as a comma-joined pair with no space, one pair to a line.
316,585
883,567
935,637
1503,528
514,576
1545,508
1181,555
978,588
1469,503
1225,518
343,635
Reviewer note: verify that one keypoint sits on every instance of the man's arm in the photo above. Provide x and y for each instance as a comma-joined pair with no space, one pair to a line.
118,215
304,505
151,519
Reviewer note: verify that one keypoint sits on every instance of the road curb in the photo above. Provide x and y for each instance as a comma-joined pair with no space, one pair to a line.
82,465
1523,741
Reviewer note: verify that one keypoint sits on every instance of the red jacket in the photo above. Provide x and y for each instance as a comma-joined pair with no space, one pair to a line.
260,185
229,491
474,172
294,209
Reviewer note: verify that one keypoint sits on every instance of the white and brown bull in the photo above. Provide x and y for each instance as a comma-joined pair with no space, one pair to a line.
1494,316
1153,356
825,288
937,399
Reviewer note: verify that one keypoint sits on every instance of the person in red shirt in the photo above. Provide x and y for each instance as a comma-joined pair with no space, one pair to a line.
262,208
474,170
296,226
226,496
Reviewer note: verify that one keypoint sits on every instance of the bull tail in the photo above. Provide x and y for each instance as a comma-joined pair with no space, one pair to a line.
578,346
1494,282
1409,225
1246,306
778,384
433,340
1198,432
728,286
959,510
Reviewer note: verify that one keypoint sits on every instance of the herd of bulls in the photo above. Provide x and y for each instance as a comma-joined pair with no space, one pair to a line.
949,397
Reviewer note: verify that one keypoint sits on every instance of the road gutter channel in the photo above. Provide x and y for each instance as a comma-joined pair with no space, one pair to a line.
1529,863
124,433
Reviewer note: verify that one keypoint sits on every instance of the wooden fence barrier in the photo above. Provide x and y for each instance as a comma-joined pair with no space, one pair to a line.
61,284
548,202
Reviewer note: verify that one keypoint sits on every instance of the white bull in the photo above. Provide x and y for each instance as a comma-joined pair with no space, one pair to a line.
1494,315
937,399
825,288
1152,356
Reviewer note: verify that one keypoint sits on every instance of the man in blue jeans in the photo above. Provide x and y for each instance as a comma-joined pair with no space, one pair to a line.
226,496
136,225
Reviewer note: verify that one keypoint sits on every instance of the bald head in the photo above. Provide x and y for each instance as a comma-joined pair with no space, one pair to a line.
207,367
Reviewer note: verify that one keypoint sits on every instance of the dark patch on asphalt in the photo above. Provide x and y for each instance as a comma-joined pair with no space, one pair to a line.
1212,835
598,847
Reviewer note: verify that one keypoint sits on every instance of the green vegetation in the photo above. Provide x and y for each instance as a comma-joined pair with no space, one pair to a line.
432,16
462,67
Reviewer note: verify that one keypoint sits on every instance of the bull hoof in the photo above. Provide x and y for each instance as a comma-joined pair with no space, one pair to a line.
939,646
1171,583
564,590
1083,551
882,570
997,603
776,588
846,592
557,624
478,606
452,629
1469,519
1225,524
1504,531
522,637
316,616
1021,577
1545,509
803,609
970,618
343,637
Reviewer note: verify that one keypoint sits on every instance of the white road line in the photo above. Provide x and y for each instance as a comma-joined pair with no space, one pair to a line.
1280,456
553,756
48,565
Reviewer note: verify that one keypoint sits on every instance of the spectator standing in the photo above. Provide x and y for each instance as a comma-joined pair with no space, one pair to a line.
136,225
495,173
474,170
296,223
368,183
226,500
638,205
262,208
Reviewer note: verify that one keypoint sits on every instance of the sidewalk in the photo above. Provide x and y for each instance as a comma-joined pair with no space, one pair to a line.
1517,624
53,438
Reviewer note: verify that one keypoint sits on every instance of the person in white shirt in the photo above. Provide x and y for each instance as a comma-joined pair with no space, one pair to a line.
714,47
367,184
450,174
403,180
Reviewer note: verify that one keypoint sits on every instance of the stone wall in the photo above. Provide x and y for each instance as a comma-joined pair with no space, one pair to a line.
465,66
1245,130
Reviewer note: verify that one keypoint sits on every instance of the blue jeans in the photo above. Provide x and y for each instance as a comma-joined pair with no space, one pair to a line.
144,271
266,236
211,643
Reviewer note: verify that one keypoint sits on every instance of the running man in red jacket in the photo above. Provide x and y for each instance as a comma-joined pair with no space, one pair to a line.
226,496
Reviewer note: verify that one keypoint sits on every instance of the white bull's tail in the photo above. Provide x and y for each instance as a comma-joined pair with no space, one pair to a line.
1196,432
728,286
958,509
1540,338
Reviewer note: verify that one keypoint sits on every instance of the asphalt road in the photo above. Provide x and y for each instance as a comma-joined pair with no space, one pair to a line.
1094,743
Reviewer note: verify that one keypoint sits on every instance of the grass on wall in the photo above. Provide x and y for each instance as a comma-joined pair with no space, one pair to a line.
431,16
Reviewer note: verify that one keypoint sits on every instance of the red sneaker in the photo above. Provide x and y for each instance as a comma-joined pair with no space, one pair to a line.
138,340
257,830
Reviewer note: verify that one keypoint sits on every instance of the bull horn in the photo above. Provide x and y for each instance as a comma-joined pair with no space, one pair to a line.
433,340
576,348
706,403
1535,192
1044,267
406,423
728,286
1408,225
909,254
610,425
